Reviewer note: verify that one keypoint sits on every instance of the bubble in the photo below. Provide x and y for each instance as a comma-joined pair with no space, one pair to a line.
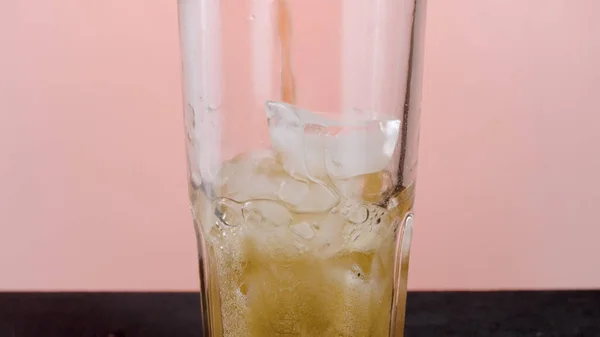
358,214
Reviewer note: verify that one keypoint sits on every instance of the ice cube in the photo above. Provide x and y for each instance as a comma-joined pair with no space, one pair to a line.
364,240
267,223
292,191
369,188
250,175
362,149
369,235
307,197
299,140
267,212
328,233
314,147
303,230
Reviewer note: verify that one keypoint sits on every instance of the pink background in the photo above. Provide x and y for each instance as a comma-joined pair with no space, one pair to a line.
92,163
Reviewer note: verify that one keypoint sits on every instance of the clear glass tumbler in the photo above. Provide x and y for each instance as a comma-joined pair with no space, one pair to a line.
302,120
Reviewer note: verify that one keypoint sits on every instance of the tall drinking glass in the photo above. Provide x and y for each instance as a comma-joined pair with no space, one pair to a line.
302,120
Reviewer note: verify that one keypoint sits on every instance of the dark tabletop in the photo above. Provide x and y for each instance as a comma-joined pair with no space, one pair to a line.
464,314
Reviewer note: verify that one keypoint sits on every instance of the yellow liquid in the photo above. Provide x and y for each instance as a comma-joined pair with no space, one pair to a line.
312,273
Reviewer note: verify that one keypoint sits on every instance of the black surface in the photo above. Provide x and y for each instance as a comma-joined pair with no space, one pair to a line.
499,314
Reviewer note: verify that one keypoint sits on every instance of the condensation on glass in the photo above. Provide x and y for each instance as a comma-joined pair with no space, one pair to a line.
302,120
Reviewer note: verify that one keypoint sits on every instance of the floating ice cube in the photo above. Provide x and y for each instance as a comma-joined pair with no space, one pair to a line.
328,238
313,147
303,230
370,234
363,149
267,222
266,213
299,140
250,175
259,175
369,188
364,240
307,197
